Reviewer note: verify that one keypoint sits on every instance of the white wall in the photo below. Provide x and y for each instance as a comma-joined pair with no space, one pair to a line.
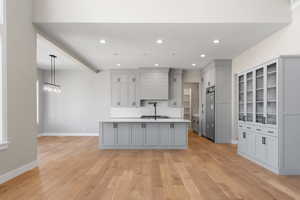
21,77
198,11
283,42
84,100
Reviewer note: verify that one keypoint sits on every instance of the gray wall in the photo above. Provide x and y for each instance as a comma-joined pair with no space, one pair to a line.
41,99
21,77
85,99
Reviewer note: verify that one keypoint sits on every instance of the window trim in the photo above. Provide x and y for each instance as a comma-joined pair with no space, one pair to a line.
3,124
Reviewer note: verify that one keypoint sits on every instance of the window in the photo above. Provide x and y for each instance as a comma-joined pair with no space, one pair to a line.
295,3
3,136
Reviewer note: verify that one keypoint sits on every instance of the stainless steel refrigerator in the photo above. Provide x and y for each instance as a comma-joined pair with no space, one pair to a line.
210,113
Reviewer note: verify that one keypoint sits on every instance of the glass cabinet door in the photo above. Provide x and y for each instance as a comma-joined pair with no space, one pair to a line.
259,97
249,97
242,98
271,115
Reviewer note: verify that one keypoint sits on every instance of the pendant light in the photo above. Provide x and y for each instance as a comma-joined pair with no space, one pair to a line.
52,86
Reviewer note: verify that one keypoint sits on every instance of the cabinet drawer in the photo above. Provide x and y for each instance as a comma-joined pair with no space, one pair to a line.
271,132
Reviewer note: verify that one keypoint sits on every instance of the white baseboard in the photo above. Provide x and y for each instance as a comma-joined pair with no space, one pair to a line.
234,141
69,134
16,172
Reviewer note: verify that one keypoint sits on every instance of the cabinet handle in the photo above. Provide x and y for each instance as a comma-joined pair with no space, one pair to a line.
174,103
115,125
133,80
258,129
172,126
263,140
143,125
270,131
174,79
119,79
264,120
133,103
118,103
244,135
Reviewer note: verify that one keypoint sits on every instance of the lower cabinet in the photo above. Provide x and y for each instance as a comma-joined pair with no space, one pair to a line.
259,147
266,150
143,135
123,132
152,134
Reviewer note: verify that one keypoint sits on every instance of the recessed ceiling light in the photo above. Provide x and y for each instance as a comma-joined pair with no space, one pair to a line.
156,65
159,41
102,41
118,65
202,55
216,41
194,65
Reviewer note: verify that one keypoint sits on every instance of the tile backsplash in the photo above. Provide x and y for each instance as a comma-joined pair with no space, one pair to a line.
162,109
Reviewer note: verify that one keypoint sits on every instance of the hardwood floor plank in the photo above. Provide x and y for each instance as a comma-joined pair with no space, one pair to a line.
73,168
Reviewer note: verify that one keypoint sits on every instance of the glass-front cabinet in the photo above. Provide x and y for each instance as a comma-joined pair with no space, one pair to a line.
242,112
271,110
258,95
249,97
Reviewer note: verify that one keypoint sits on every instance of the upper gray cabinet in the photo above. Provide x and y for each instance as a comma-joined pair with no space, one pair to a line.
175,92
154,84
124,90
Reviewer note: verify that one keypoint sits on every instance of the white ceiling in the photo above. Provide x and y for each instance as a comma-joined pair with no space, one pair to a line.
133,45
63,60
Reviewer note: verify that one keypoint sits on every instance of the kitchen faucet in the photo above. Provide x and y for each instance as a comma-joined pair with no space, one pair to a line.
155,107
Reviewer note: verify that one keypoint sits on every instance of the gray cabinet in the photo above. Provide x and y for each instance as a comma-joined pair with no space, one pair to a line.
138,134
152,134
218,73
154,84
109,134
177,132
176,89
268,105
124,89
143,135
123,133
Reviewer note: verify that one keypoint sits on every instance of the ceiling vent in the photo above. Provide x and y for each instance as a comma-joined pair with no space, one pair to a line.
295,3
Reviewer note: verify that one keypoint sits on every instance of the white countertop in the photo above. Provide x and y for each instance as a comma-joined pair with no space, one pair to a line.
178,120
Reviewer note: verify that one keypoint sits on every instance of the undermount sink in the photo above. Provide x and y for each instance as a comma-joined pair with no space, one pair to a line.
153,117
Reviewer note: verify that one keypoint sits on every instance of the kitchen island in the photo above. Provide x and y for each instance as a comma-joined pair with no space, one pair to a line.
137,133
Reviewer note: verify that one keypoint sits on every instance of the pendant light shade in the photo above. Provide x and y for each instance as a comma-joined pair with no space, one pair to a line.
52,86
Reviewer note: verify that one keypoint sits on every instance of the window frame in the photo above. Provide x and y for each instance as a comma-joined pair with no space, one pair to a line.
3,85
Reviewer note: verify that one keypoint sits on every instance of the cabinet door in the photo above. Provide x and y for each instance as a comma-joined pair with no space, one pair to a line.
138,134
271,104
242,98
164,130
180,134
123,134
152,134
260,83
132,91
271,155
260,148
108,134
175,89
250,97
242,141
116,91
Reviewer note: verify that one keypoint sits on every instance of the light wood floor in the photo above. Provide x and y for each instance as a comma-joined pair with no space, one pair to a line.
73,168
